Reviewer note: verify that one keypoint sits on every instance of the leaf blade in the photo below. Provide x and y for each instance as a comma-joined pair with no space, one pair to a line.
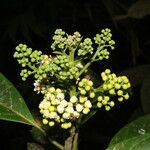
12,105
135,135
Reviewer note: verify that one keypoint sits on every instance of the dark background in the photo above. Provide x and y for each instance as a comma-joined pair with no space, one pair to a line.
33,22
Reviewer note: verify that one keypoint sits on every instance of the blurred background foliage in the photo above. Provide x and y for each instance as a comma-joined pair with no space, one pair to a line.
33,22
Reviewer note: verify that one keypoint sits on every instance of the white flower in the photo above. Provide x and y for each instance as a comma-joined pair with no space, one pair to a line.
79,65
79,107
76,114
37,86
46,104
55,102
86,110
64,103
58,90
60,109
69,109
88,104
53,115
46,113
60,96
66,115
50,96
73,99
41,105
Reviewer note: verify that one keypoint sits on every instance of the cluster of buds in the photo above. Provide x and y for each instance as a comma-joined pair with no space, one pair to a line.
104,42
56,109
113,86
66,97
63,41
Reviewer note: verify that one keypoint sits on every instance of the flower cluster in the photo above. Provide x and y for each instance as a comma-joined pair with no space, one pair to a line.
85,47
56,109
85,87
67,93
104,41
29,59
63,69
113,86
62,41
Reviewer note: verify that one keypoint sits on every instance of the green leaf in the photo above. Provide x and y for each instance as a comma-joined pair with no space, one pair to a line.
134,136
12,105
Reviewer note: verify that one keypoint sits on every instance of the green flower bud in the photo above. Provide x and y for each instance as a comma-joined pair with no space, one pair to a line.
125,86
99,105
120,92
45,121
109,86
92,95
120,99
112,104
87,88
107,108
51,89
51,123
126,96
112,92
83,92
117,86
107,71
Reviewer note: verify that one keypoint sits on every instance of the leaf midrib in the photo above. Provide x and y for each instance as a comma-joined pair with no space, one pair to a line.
29,122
